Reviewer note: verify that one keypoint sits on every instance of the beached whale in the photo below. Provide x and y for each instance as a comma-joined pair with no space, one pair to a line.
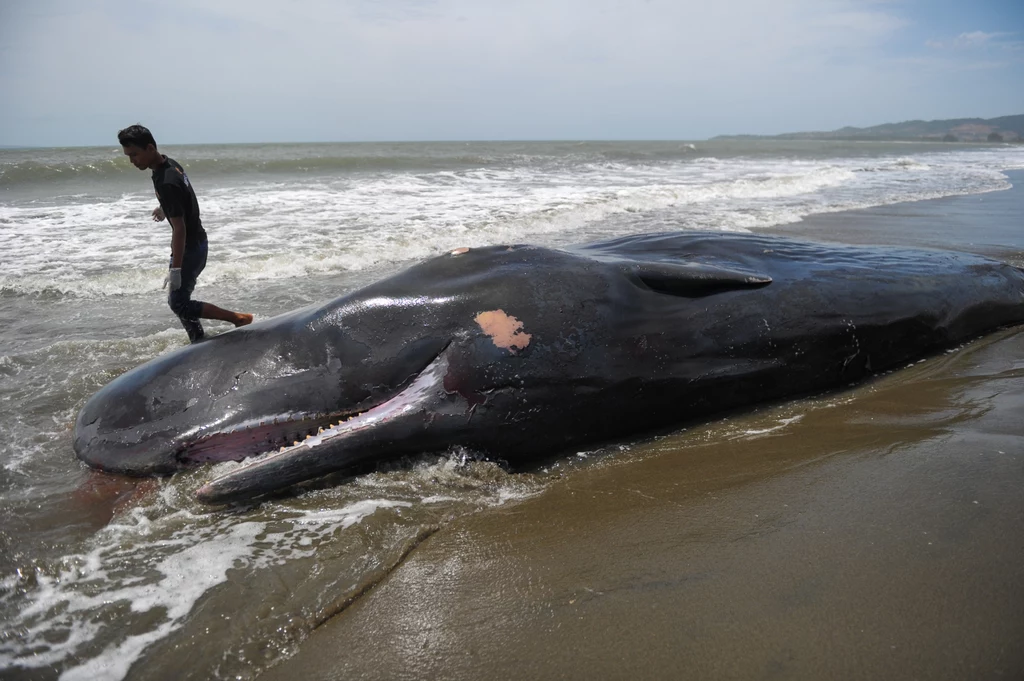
521,351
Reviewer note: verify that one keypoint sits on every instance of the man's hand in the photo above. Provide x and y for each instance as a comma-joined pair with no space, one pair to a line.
174,278
158,214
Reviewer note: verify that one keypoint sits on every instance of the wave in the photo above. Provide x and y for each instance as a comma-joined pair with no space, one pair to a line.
296,231
34,172
18,169
279,230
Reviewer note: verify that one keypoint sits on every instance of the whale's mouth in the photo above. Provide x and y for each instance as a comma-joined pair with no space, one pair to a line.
256,437
284,431
330,448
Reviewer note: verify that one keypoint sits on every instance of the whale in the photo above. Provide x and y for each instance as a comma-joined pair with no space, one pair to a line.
517,352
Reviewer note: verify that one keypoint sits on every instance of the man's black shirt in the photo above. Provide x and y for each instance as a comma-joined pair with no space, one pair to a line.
179,200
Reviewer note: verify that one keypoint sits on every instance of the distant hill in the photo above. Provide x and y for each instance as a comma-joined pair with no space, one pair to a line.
1002,129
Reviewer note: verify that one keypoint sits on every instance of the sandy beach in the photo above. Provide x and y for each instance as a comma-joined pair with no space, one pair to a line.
871,533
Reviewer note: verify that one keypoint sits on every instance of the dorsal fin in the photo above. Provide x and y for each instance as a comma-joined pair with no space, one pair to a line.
693,280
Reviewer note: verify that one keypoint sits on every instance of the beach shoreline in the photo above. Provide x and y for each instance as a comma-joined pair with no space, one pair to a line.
988,224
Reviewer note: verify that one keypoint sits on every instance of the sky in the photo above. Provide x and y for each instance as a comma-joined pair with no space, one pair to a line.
73,72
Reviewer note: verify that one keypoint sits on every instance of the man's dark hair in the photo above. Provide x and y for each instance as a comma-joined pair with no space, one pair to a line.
136,136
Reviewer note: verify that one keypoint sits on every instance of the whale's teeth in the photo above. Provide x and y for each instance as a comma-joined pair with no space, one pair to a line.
319,430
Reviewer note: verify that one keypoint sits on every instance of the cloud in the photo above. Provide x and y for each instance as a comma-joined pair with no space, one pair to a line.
974,39
980,40
239,70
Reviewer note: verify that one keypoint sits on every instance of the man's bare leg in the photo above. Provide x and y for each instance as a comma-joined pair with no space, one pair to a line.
236,318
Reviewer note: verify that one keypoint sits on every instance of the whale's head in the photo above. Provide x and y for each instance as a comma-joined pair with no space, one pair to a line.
249,391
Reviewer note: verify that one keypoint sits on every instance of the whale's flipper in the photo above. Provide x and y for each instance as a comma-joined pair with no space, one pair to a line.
693,280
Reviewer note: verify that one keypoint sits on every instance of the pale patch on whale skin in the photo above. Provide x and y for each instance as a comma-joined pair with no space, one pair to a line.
504,329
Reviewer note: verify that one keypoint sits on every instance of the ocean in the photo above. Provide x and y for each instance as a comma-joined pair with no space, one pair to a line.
101,578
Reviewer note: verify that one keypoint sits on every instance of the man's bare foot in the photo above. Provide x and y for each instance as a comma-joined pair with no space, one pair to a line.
242,319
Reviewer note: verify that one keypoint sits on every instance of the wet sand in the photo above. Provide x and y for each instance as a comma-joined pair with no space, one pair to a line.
875,533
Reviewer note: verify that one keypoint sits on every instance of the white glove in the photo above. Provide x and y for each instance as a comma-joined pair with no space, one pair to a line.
174,277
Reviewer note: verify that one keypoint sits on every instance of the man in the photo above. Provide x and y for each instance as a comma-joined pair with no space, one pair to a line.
179,206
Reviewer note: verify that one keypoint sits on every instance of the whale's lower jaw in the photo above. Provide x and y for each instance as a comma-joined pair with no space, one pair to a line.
369,434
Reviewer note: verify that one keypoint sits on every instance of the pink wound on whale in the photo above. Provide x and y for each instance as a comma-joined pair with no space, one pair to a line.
505,330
